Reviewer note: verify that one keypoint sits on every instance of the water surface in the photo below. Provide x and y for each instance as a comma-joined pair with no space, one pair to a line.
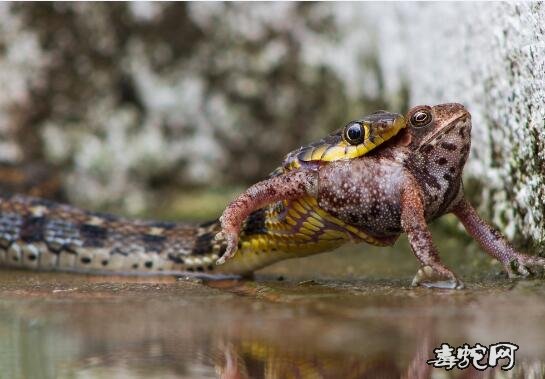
347,314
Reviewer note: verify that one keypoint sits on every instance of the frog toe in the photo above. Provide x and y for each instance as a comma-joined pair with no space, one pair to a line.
523,271
430,277
232,246
523,266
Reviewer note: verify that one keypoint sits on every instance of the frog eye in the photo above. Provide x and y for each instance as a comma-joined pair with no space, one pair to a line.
354,133
421,118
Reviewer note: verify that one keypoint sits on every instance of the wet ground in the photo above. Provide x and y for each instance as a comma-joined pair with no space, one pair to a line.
347,314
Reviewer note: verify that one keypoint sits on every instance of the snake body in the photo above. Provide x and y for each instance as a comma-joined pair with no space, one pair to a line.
43,235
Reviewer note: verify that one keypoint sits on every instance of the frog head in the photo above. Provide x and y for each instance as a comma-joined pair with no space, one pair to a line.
439,139
440,133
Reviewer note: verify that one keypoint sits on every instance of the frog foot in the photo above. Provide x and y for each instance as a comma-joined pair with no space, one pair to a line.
520,265
231,238
436,276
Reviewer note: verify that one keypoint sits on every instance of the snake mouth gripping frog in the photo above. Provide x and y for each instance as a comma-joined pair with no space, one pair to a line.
396,188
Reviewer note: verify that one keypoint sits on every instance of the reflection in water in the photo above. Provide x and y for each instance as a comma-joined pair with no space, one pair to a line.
254,329
253,359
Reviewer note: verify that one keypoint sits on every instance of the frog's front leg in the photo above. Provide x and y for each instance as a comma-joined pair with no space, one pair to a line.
515,263
432,273
287,186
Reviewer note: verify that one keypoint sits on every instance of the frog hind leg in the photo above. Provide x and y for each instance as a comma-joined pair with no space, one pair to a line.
432,273
516,264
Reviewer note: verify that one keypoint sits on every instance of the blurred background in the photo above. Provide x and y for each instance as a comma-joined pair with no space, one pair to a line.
169,109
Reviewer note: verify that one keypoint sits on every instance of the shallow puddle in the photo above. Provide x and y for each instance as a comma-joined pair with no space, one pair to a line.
348,314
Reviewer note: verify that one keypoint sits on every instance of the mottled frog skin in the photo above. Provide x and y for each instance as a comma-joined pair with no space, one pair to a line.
398,188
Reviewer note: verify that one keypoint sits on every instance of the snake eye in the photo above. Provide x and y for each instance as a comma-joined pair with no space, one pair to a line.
354,133
421,118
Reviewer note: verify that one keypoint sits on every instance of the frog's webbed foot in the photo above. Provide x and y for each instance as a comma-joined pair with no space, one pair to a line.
436,276
520,265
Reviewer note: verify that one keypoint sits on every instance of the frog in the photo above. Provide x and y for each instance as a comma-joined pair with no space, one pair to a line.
397,188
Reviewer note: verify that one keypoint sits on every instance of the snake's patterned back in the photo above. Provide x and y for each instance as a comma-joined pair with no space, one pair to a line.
36,233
